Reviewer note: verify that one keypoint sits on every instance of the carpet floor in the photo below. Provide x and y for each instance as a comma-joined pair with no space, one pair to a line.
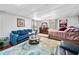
45,47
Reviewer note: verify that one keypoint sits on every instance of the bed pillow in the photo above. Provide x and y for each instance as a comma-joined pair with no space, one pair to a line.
67,30
76,30
70,30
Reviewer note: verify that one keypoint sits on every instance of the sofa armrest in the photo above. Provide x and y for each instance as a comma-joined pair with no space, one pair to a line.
13,38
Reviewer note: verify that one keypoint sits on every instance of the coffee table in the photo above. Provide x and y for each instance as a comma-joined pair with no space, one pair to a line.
34,41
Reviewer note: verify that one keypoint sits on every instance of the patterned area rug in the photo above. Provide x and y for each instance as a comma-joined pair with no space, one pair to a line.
45,47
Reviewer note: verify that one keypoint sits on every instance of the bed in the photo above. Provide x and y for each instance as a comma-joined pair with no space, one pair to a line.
71,35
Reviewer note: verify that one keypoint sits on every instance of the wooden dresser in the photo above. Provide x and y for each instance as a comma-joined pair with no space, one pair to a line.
43,30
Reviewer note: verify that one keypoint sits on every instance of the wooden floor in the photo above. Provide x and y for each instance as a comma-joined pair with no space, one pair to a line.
3,48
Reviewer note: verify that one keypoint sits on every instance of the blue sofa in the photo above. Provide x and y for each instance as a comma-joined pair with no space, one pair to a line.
19,36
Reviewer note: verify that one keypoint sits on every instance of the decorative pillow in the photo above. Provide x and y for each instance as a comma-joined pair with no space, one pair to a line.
29,30
70,30
76,38
21,32
67,30
71,27
76,30
15,32
25,32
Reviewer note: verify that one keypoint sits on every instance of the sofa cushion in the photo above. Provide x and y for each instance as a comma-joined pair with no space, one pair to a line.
71,47
29,30
14,32
76,30
22,37
26,31
22,32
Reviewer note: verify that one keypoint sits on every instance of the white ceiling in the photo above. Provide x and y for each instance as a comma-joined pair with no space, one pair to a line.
41,10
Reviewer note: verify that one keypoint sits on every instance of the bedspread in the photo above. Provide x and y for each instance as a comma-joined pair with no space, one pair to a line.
63,35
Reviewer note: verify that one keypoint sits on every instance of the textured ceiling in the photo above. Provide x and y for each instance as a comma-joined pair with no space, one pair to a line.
41,10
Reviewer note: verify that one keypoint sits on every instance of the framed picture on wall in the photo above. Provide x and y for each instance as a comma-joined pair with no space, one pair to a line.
20,22
63,24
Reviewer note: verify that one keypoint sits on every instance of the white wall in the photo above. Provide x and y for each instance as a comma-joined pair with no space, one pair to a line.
9,23
72,21
0,25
